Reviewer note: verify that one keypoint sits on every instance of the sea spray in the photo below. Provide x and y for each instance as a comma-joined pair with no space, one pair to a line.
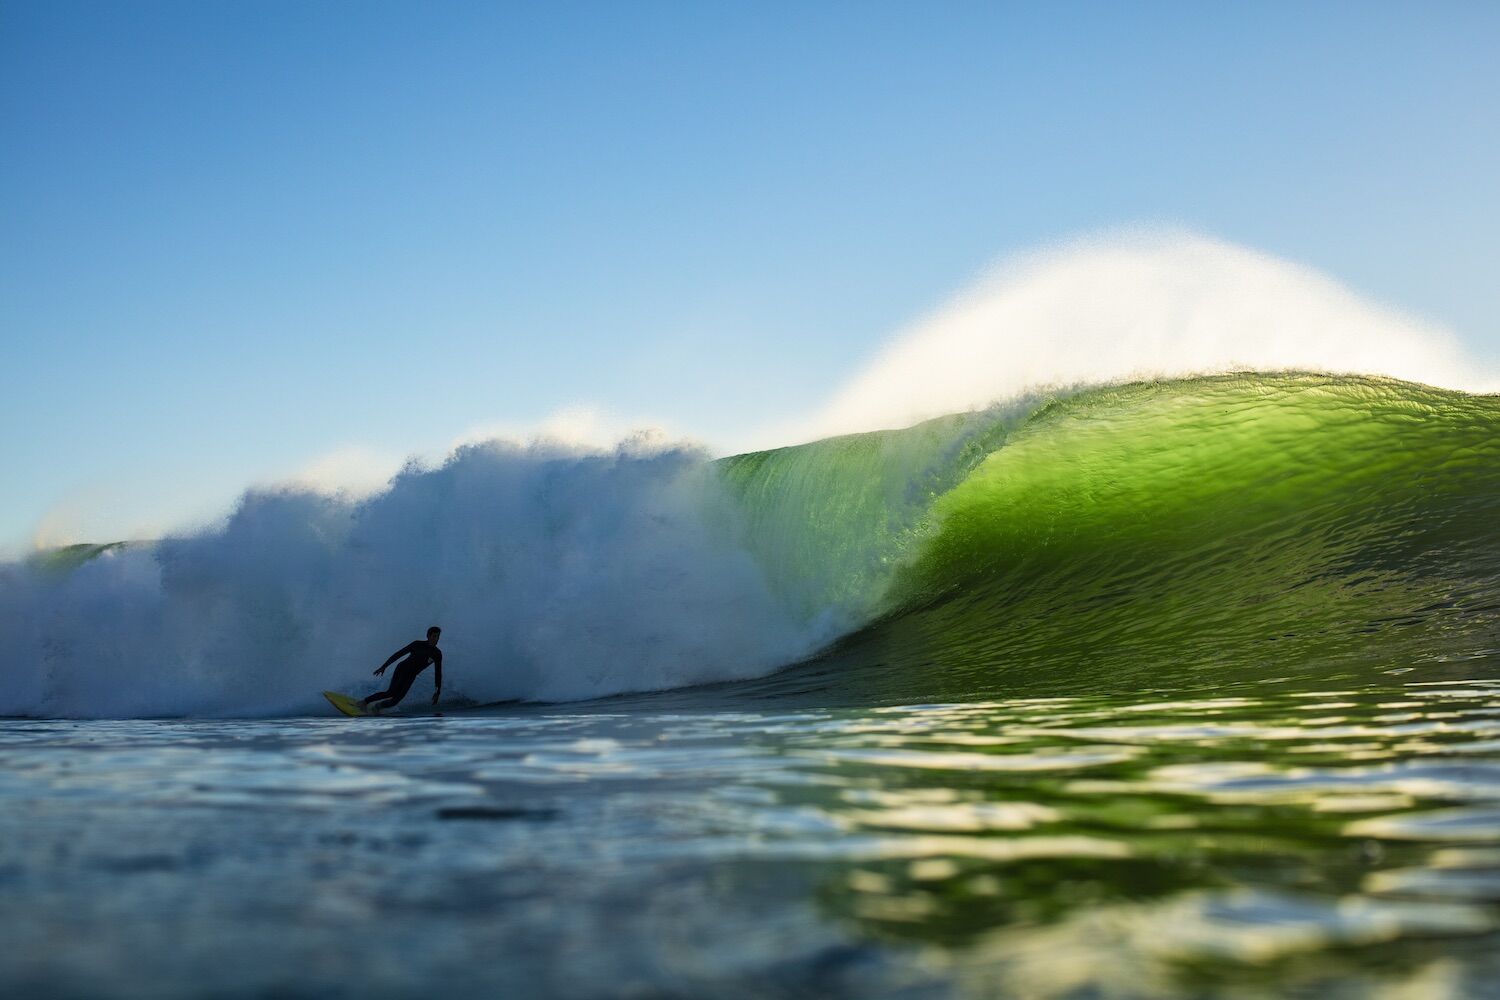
556,573
1125,305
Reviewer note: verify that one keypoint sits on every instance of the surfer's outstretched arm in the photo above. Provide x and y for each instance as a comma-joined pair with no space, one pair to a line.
437,674
394,657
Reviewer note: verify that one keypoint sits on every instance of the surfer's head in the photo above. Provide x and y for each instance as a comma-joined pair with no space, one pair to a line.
433,633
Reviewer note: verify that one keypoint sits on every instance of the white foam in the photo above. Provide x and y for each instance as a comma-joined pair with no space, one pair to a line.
556,573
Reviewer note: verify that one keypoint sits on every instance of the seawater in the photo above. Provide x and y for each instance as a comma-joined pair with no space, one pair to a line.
1264,839
1176,688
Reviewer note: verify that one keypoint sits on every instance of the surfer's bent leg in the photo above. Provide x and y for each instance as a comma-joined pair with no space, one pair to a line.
400,684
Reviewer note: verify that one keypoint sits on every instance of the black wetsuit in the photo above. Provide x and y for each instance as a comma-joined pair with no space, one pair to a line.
418,655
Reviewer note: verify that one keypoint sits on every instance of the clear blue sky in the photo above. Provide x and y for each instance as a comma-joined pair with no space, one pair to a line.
235,236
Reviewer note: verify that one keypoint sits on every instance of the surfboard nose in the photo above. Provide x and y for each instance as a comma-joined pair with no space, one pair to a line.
345,703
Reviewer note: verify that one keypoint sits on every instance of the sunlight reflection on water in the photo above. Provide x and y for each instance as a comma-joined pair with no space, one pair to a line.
1038,847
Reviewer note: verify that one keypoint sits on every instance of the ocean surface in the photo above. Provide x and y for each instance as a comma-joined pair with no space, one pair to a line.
1168,689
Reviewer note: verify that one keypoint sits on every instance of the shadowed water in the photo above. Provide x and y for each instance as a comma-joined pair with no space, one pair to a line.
1262,840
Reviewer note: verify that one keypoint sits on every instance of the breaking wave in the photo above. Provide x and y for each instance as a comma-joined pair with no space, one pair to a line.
1266,523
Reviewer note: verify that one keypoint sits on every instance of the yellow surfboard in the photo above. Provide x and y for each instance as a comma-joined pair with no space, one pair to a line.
346,704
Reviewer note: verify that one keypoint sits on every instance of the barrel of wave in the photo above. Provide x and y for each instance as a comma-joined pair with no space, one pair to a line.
1206,527
829,522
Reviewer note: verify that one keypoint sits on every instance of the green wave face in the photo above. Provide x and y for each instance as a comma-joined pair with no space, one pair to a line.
1276,524
63,560
829,521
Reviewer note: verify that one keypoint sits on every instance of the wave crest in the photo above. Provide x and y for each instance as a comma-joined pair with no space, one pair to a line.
1146,304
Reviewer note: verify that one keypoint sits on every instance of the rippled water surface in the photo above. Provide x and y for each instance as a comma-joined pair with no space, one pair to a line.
1269,841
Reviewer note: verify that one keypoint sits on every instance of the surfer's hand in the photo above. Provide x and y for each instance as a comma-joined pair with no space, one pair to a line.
435,696
379,671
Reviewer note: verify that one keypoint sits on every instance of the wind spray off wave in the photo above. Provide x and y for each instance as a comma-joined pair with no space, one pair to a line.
1147,304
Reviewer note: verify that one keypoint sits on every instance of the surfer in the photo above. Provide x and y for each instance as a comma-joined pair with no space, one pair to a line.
418,655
